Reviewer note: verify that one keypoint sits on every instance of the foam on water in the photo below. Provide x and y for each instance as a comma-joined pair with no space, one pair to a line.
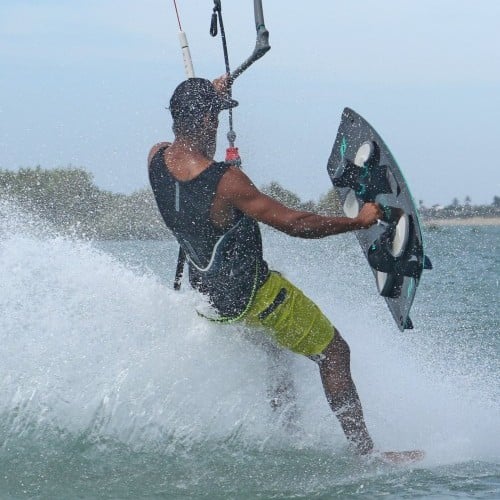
97,348
91,346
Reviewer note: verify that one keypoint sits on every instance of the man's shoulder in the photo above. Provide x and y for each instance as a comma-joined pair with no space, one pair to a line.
235,182
155,149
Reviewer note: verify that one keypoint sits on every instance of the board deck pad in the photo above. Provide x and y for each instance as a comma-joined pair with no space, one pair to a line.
362,169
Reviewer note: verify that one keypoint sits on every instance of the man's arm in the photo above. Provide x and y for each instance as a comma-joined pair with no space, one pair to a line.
237,190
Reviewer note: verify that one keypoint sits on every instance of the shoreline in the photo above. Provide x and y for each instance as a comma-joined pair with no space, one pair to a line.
469,221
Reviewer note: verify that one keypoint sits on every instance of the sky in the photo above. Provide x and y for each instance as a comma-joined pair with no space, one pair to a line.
86,84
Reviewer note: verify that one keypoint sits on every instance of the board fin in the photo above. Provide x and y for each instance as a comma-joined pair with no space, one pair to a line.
408,324
427,263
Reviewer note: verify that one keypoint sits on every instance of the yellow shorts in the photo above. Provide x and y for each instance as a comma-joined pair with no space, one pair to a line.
293,320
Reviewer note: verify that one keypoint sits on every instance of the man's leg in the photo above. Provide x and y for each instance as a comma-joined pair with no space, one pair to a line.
341,393
281,387
298,324
280,384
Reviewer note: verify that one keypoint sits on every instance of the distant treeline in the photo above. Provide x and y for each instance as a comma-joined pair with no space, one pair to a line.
69,200
461,210
71,203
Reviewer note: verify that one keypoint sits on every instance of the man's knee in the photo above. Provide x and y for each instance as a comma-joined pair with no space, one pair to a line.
337,349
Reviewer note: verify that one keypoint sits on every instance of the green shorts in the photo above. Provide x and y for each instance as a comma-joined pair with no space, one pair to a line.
292,319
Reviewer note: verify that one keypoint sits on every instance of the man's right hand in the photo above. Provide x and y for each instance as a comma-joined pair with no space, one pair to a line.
369,214
223,84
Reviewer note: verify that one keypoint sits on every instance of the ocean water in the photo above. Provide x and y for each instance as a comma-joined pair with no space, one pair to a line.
111,386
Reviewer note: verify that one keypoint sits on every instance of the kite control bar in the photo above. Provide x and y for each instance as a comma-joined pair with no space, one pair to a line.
261,44
261,47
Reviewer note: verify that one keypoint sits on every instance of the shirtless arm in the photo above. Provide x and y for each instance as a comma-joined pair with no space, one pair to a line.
237,190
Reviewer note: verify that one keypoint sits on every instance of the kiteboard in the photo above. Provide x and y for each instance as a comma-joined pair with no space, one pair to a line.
362,169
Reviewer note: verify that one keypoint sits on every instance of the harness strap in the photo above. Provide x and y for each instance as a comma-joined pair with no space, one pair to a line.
232,319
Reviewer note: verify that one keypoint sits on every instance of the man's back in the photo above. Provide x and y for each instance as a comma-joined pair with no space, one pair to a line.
225,264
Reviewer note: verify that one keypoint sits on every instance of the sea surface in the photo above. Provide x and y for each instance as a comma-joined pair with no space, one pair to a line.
111,386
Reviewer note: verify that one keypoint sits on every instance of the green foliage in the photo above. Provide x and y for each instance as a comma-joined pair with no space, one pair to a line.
329,204
283,195
70,201
133,216
462,211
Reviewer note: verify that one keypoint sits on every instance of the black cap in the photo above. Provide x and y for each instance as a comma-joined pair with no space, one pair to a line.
197,96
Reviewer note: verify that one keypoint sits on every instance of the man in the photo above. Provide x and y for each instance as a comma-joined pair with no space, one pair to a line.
213,209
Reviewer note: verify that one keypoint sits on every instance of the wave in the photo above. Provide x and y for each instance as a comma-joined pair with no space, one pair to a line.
98,349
